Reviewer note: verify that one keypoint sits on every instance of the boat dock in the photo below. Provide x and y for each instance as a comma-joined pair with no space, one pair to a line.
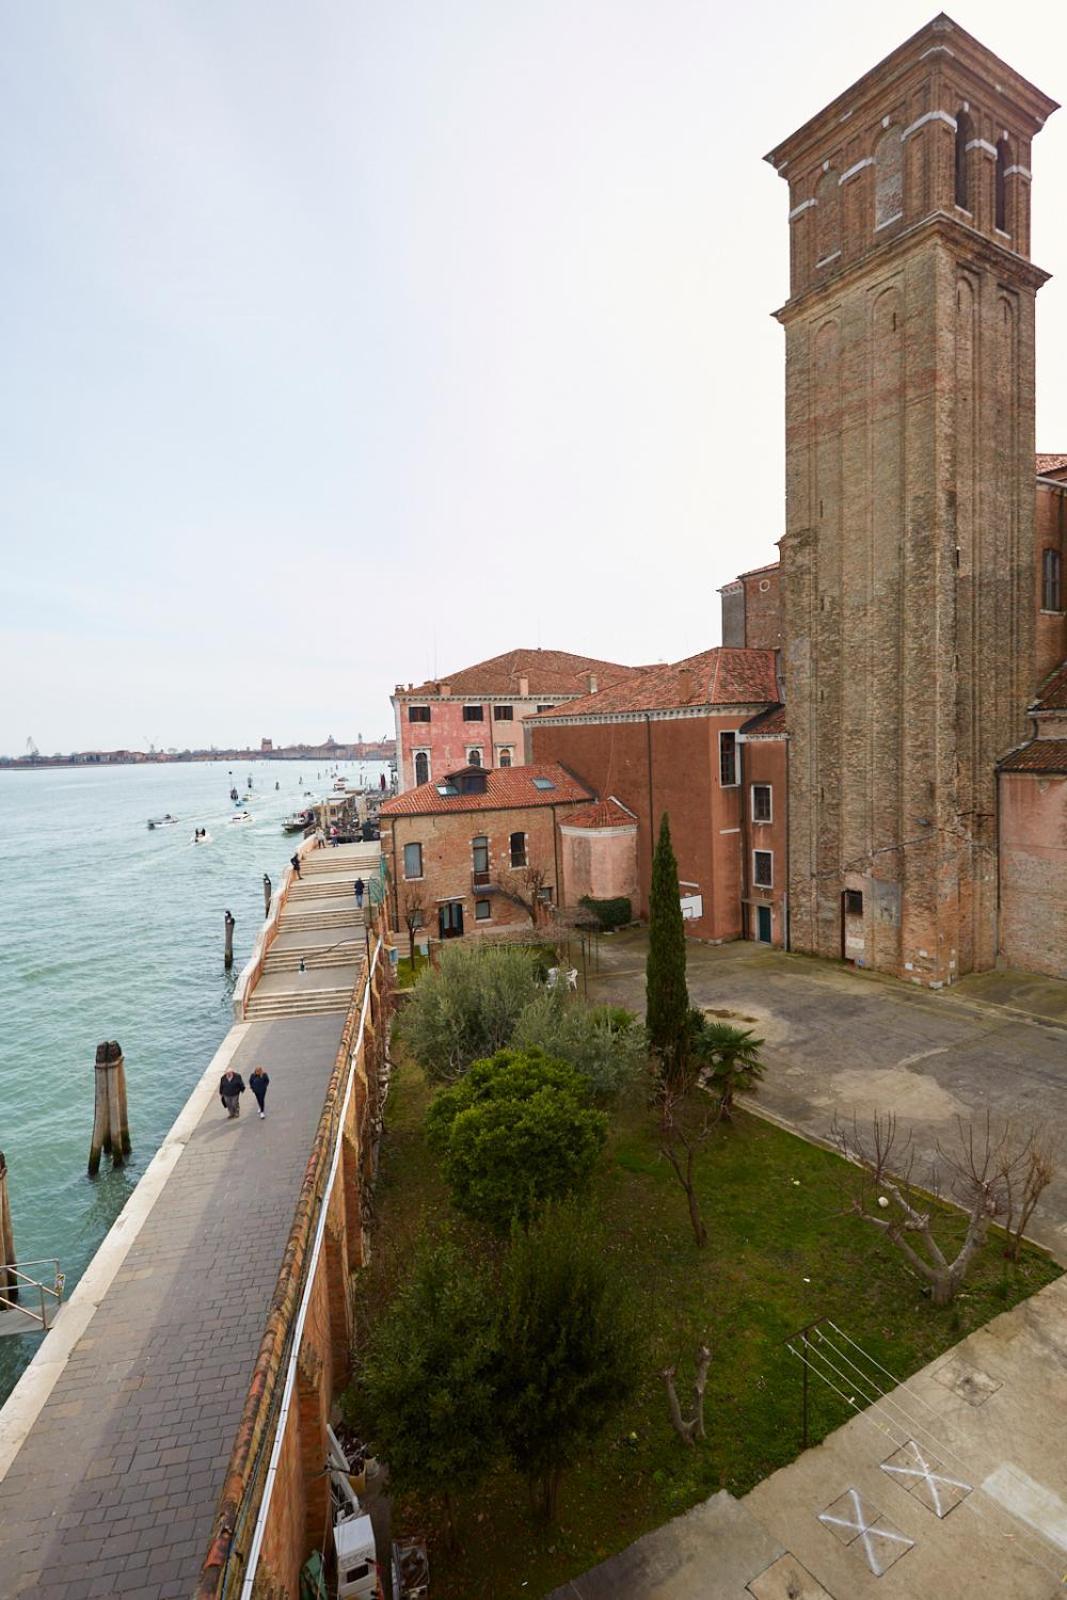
115,1444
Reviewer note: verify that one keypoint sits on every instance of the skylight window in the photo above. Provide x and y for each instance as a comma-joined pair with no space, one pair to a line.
543,783
447,789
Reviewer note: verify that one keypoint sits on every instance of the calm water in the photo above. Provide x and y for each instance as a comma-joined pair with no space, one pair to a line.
110,930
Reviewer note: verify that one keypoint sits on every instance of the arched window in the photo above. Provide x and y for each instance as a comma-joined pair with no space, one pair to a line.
422,767
1051,581
888,178
827,217
964,134
1003,163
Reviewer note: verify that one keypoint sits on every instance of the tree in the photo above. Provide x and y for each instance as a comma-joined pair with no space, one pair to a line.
427,1392
569,1356
414,915
514,1133
1027,1174
683,1141
605,1044
525,886
977,1173
468,1008
667,998
689,1428
728,1060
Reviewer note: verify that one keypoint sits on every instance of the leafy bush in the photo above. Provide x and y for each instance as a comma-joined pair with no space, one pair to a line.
515,1132
727,1060
605,1044
610,914
468,1009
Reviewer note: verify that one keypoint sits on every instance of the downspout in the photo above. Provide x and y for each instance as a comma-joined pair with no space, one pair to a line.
746,851
996,802
555,856
785,893
396,884
651,813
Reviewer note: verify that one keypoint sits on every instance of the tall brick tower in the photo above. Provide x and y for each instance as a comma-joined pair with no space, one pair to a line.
908,557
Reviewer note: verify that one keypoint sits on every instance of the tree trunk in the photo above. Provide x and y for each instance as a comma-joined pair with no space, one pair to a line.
700,1232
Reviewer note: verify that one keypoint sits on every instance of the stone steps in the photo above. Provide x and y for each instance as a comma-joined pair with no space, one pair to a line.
310,1003
340,955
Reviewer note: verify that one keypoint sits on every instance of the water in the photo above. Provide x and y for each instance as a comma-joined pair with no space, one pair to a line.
110,930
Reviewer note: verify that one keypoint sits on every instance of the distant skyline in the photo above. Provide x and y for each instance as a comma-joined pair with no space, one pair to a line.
345,344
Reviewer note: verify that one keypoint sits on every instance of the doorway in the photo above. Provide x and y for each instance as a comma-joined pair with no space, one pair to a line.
763,924
450,919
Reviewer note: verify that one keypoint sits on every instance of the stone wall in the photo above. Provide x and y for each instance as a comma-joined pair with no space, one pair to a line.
1033,872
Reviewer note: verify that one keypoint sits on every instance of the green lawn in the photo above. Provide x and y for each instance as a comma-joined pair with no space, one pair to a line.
780,1254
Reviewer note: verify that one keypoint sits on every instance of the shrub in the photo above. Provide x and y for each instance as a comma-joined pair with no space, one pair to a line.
727,1059
610,914
605,1044
468,1009
515,1132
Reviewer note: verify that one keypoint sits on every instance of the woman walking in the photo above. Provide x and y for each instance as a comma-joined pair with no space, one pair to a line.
257,1082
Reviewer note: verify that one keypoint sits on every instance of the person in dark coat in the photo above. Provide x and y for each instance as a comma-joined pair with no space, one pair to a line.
257,1082
231,1088
359,887
294,862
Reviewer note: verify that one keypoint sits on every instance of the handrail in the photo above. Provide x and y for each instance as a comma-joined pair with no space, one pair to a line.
14,1269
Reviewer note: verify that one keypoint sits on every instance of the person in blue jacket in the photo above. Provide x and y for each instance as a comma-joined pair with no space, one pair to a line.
257,1082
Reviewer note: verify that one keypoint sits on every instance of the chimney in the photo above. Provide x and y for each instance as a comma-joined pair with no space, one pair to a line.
524,686
591,681
686,686
444,688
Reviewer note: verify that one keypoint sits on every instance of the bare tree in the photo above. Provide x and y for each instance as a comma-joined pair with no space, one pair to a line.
414,914
689,1428
991,1174
1026,1177
525,886
682,1146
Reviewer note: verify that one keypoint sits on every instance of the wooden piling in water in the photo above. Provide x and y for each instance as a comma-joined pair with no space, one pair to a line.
228,957
9,1284
111,1128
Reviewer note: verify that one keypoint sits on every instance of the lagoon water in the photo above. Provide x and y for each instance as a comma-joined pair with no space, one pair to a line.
110,930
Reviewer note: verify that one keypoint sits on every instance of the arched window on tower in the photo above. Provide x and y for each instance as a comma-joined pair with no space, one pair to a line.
422,767
827,218
1003,163
888,178
964,134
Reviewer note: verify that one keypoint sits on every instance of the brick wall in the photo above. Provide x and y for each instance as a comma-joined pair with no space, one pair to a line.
765,762
1050,533
599,862
448,737
1033,872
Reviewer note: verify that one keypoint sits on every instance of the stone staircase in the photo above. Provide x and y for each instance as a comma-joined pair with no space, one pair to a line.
296,1003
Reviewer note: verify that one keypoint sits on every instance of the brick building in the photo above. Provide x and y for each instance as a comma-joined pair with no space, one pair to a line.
907,564
475,717
676,739
478,846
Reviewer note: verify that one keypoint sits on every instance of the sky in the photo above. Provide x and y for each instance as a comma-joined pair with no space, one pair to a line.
342,344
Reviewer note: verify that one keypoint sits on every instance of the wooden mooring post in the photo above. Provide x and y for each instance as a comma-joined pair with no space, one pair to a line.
111,1123
9,1284
227,959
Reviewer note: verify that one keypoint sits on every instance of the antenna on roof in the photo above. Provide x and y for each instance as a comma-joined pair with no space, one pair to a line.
435,655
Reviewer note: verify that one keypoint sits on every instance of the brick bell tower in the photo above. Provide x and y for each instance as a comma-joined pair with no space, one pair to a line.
908,557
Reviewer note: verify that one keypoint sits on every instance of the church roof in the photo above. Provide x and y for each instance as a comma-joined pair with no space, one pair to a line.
1040,755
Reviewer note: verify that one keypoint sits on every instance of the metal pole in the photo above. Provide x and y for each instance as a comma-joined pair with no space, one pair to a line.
804,1425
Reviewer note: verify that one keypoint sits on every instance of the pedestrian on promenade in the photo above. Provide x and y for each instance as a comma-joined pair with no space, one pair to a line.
257,1082
294,862
231,1088
359,887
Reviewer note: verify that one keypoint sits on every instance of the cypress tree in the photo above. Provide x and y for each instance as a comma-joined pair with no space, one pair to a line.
666,995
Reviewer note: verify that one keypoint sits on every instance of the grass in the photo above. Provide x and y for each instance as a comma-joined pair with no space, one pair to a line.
407,972
780,1254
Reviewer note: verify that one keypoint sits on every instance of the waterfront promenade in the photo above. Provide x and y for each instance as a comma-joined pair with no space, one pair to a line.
111,1485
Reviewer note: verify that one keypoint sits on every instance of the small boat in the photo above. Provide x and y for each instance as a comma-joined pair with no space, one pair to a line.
298,822
340,786
201,836
166,821
234,796
240,816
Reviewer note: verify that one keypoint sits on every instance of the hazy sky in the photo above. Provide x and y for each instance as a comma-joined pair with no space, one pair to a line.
338,340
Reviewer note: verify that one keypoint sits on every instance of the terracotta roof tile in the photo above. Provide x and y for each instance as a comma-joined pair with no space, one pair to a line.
769,723
506,788
548,672
1040,755
1050,465
602,814
1052,695
722,676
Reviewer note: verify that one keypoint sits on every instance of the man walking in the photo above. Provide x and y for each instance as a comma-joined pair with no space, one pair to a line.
231,1088
359,887
258,1082
294,862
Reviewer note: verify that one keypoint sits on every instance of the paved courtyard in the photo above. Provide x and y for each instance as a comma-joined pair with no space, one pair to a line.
844,1042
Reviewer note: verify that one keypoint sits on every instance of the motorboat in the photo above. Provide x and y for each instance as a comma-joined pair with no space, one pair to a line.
166,821
298,822
201,836
240,816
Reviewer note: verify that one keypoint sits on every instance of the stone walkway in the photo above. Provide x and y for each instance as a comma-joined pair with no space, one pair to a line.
113,1491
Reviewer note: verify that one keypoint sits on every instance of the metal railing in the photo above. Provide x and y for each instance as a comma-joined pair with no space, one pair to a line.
55,1293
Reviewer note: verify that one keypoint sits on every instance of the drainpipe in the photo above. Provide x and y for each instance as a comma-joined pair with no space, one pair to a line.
746,842
785,895
651,813
555,857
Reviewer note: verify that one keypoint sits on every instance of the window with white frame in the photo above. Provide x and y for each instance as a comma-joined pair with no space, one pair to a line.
762,810
474,756
413,861
504,755
418,713
480,858
763,869
728,760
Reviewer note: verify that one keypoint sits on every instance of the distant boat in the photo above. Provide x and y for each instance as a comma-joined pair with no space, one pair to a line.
166,821
201,838
298,822
240,816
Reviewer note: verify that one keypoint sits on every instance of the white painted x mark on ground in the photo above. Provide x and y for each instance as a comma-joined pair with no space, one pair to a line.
927,1473
865,1531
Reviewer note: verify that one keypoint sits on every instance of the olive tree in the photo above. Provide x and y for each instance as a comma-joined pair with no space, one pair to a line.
468,1007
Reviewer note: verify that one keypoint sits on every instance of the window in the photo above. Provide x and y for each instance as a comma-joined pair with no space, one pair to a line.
504,757
827,218
471,782
761,802
473,713
503,713
480,859
1051,581
474,756
963,139
413,861
1003,161
551,706
422,766
728,760
483,910
418,713
853,902
447,790
763,868
517,844
543,783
